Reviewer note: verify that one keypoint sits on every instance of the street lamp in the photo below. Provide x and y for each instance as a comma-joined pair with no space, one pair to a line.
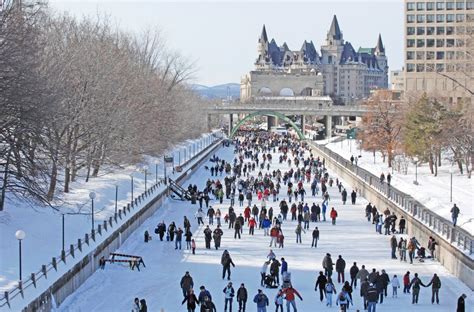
92,197
145,168
131,188
20,235
451,185
415,159
116,197
63,250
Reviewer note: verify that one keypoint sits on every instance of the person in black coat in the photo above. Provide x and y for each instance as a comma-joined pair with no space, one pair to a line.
161,229
226,262
461,304
344,196
340,267
353,197
353,273
242,297
321,283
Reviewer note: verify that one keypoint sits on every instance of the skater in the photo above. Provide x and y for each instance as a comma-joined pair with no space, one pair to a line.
340,267
193,246
343,300
217,234
406,283
274,270
344,196
208,305
263,272
395,285
329,290
461,303
353,197
161,229
179,238
298,231
353,273
229,296
261,300
279,301
242,297
290,293
226,262
284,266
435,284
208,237
188,236
415,285
210,215
328,265
321,285
143,306
136,305
333,215
186,283
394,245
372,296
315,237
401,225
192,301
147,236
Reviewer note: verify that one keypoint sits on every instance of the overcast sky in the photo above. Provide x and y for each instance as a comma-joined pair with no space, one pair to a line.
221,37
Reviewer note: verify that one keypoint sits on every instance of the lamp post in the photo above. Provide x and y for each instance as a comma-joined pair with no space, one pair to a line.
92,197
63,224
451,185
131,187
156,172
116,197
416,170
145,168
20,235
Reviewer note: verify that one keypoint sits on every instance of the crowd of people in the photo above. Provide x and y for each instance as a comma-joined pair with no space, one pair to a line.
254,189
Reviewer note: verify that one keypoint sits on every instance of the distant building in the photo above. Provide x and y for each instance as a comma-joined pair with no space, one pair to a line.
339,71
397,80
438,48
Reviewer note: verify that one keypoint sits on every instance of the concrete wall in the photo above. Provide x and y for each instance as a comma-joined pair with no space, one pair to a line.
453,259
76,276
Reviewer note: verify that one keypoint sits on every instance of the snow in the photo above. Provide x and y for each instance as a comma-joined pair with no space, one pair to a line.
115,287
433,192
43,225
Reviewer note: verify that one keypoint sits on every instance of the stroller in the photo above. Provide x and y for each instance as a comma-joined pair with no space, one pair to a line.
286,280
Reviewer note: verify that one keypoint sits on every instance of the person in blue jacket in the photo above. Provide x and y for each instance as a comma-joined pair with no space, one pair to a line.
261,300
284,266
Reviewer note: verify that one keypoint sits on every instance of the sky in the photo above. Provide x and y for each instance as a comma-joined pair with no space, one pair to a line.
220,37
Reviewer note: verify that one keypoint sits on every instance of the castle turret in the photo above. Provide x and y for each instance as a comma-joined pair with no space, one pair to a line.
334,36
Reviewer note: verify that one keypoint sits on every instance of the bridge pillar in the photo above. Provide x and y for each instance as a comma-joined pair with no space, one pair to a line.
328,126
209,123
231,124
271,122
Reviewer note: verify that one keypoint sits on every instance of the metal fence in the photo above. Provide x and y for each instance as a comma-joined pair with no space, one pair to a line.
104,228
443,227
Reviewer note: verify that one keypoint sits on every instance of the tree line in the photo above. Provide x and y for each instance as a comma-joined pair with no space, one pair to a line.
79,96
425,126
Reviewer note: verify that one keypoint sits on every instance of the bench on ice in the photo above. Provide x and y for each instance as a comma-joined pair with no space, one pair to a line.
133,261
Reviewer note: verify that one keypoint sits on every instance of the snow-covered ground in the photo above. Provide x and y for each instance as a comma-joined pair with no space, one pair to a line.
114,288
433,192
43,225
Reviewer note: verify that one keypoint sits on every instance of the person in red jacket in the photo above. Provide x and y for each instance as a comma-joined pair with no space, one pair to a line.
406,283
333,215
274,235
247,213
290,293
252,224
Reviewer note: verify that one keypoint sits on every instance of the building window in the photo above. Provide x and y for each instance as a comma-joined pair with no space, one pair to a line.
410,68
439,5
430,6
430,18
449,30
410,55
459,55
410,6
449,18
420,43
440,30
459,18
460,30
410,31
449,67
420,55
420,68
449,5
439,68
430,68
430,55
450,55
460,5
420,31
440,18
470,5
440,55
420,6
470,17
420,18
430,43
430,31
410,43
410,18
460,42
449,43
439,43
